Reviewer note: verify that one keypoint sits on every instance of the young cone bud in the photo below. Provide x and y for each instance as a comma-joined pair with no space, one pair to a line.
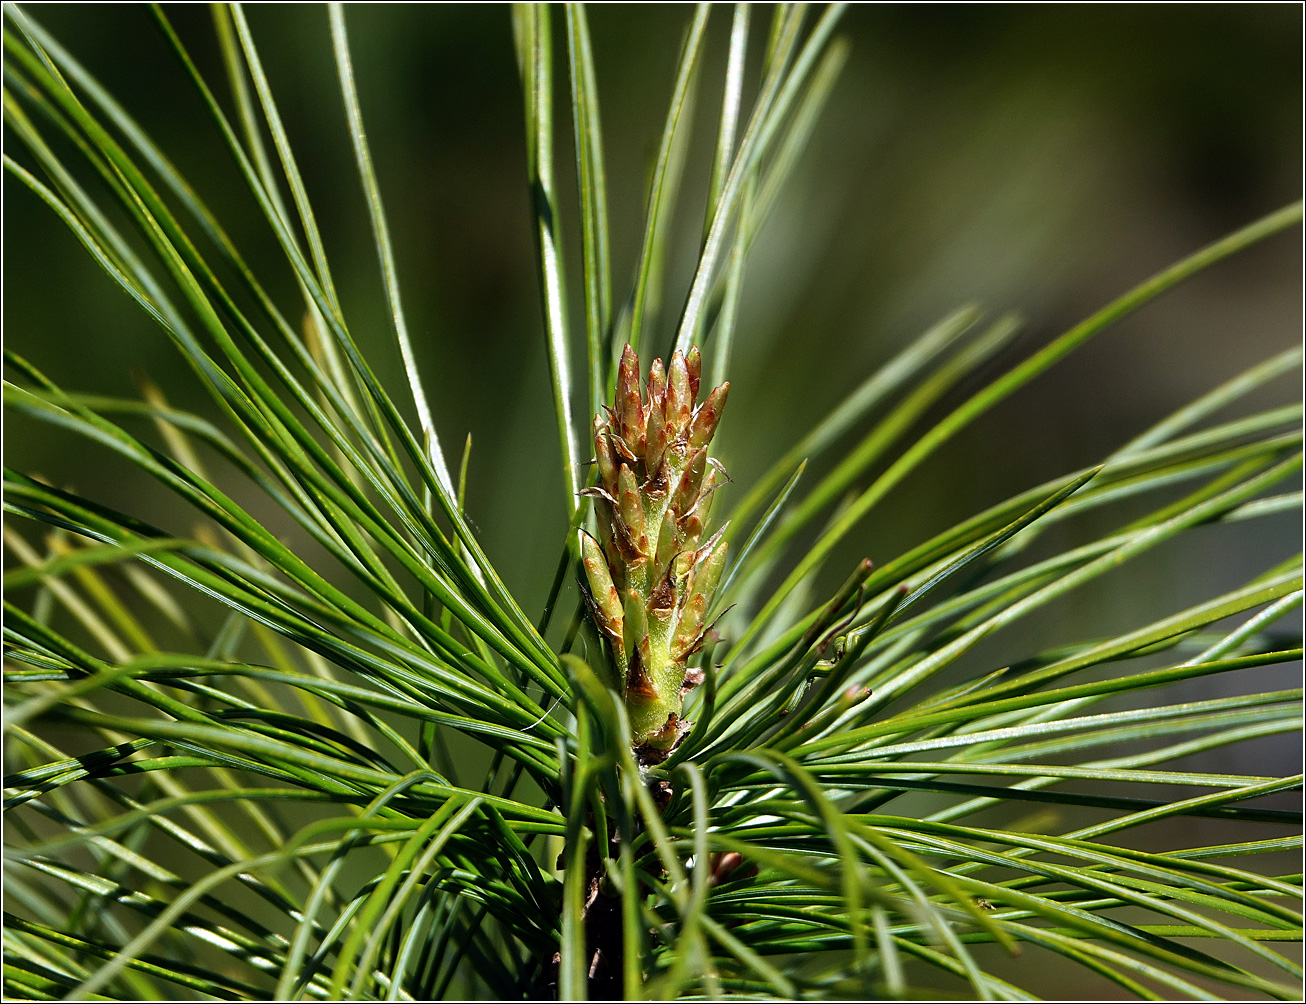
607,603
655,440
707,417
693,522
669,542
632,510
679,400
711,560
689,632
657,385
650,584
629,409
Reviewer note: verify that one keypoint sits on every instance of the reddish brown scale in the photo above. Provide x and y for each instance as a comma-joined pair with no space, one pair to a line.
622,450
638,685
694,370
662,600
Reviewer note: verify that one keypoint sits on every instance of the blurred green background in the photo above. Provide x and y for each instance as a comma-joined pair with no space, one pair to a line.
1037,158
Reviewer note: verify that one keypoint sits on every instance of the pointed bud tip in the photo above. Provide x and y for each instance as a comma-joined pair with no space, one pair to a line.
694,365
